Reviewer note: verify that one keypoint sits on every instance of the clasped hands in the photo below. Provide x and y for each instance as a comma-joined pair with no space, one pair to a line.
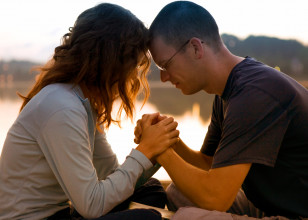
155,134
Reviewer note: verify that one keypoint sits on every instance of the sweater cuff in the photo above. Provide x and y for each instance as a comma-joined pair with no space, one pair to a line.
141,159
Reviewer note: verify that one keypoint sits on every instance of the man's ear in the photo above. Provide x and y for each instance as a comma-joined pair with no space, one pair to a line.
197,45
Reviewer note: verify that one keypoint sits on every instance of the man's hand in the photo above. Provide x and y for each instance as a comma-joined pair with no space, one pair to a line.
156,138
154,118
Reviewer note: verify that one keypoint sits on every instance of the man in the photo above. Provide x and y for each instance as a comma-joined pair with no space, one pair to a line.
258,136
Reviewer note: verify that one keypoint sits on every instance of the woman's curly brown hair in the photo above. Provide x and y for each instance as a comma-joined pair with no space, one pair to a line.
107,51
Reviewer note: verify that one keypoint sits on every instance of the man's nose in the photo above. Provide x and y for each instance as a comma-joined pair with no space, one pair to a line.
164,76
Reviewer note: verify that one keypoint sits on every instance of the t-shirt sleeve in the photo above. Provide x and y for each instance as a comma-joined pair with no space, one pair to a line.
65,143
253,129
213,134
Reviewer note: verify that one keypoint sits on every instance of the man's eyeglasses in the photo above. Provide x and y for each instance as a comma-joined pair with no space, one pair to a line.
164,67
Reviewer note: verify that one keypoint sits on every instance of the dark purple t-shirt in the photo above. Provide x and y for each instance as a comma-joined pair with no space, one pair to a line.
262,118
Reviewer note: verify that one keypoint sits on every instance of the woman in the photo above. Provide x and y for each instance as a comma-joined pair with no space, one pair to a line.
56,151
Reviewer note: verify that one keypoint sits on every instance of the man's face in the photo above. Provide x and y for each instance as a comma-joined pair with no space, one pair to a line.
177,65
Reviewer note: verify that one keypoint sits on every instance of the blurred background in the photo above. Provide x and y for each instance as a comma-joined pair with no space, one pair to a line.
272,31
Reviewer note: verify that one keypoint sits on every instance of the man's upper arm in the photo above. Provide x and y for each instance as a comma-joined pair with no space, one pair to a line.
225,183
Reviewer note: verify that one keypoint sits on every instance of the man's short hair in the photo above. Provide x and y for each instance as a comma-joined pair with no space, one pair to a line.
179,21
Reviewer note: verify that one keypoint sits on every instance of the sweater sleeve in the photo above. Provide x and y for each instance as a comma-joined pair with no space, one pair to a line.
64,140
104,159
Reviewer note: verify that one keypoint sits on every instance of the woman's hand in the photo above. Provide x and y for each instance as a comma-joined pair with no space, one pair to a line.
158,134
156,117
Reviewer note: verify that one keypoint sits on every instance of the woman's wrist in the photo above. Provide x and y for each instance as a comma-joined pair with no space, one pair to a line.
143,150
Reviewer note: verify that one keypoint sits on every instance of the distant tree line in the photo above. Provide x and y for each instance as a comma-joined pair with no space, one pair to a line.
289,55
21,70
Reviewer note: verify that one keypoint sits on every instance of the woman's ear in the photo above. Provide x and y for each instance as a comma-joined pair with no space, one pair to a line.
197,45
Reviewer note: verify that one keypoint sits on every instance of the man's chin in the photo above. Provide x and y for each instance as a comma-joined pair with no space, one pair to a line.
185,92
188,92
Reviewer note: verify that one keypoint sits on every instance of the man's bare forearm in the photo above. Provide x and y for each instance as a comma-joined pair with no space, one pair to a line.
195,158
214,189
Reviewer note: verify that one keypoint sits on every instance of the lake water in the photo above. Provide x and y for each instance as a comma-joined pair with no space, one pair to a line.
192,128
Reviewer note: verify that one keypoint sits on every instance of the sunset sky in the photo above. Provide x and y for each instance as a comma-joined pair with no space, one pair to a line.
30,29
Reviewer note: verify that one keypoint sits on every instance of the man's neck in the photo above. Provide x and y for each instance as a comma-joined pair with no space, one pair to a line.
225,62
